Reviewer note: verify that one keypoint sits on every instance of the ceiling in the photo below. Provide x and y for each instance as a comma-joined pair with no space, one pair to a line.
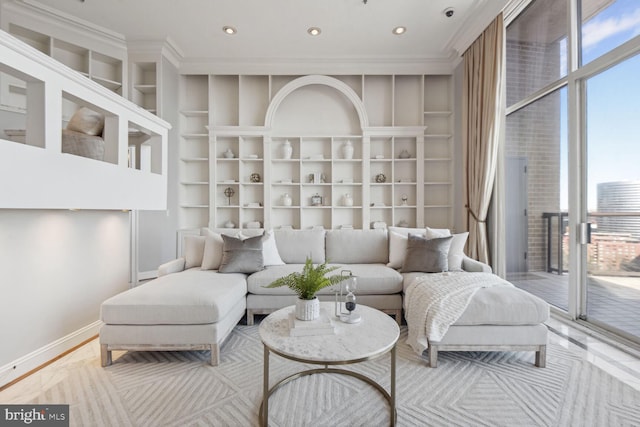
277,29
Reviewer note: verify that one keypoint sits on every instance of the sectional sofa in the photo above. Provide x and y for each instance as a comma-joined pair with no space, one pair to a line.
221,276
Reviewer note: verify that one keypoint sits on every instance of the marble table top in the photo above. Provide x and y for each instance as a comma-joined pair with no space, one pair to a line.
374,335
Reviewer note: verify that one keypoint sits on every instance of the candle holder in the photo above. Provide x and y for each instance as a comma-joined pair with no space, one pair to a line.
347,301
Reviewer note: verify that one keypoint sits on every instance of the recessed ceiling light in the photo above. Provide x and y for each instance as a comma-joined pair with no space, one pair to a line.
229,30
314,31
399,30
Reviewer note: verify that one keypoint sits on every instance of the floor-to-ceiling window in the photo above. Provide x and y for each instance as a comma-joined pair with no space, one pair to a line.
571,156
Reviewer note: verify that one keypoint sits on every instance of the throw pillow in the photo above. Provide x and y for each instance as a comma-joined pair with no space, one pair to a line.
241,256
398,248
426,255
86,121
270,253
456,251
212,256
193,251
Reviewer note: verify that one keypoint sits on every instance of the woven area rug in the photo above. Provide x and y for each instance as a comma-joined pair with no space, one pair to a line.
466,389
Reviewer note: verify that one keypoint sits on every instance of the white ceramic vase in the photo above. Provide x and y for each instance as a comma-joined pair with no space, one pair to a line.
307,309
286,199
347,150
347,200
287,150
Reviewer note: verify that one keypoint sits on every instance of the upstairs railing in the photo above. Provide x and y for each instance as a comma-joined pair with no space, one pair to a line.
37,174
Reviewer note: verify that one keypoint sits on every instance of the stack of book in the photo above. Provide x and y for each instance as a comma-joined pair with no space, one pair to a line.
323,325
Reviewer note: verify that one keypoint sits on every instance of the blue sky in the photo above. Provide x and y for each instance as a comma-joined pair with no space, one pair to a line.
613,102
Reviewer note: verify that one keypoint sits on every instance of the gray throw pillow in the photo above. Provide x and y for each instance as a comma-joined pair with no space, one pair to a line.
426,255
241,256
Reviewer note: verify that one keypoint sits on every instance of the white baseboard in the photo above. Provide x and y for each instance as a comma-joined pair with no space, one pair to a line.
39,357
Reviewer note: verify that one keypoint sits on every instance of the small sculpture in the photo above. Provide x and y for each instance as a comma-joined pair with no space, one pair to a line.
228,154
380,178
254,177
228,193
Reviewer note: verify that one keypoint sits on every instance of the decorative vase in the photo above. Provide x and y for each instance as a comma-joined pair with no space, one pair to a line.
307,309
229,224
228,154
347,150
347,200
286,200
287,150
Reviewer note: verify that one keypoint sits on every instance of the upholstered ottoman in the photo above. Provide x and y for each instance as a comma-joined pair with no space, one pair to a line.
193,310
499,318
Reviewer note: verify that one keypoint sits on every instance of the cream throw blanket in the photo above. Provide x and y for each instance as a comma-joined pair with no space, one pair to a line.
434,302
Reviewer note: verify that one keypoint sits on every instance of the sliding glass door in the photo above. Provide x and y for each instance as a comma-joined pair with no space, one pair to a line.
536,208
573,92
613,198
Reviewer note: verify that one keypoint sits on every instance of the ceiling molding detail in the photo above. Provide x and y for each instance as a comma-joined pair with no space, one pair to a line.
477,21
336,66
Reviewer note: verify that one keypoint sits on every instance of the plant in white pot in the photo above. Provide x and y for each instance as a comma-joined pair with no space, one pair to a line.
306,284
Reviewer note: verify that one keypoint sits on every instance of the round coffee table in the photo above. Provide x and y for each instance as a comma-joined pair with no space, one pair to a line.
375,335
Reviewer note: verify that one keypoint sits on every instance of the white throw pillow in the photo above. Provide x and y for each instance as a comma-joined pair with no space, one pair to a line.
212,255
456,251
193,251
434,233
270,253
398,247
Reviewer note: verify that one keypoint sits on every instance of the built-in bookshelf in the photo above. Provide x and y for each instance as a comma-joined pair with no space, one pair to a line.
399,127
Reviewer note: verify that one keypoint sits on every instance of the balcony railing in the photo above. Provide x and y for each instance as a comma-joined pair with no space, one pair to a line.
37,174
614,248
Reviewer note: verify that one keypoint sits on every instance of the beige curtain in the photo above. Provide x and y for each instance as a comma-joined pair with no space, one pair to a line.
482,115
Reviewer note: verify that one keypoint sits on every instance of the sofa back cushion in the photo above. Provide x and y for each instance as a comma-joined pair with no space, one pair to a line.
294,246
357,246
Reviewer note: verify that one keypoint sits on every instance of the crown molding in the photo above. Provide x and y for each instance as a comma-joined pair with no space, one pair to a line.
156,48
32,10
483,12
305,66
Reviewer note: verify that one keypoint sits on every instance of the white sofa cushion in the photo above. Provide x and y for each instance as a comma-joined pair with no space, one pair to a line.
500,305
191,297
357,246
294,246
372,279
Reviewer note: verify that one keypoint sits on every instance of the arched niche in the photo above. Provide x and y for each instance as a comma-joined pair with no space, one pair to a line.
316,105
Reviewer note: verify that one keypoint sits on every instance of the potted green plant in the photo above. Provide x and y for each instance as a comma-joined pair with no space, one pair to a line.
306,284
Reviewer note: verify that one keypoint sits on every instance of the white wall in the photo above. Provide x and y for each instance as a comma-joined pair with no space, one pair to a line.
56,267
